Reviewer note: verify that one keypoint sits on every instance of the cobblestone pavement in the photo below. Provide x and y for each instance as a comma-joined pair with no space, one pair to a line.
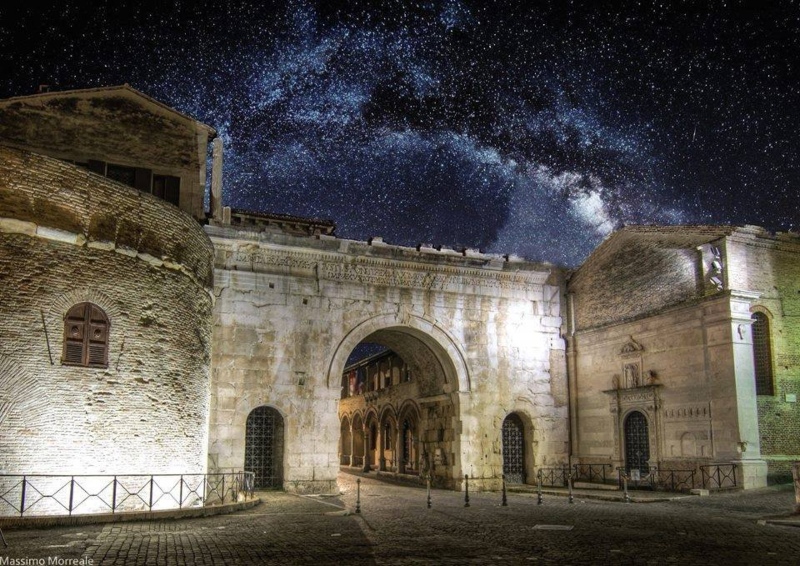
396,527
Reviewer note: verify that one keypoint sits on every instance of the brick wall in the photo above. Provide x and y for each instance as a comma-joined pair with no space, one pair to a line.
147,265
636,278
52,193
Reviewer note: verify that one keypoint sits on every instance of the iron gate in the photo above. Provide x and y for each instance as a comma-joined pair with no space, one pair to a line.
513,449
263,447
637,443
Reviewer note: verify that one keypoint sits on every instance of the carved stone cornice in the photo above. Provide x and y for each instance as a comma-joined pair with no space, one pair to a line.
365,270
645,397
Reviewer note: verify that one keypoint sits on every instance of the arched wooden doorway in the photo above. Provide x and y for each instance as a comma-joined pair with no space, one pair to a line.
514,449
637,443
263,447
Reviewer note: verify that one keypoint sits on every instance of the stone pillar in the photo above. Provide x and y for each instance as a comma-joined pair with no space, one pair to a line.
399,448
216,180
796,477
352,445
731,375
379,445
366,449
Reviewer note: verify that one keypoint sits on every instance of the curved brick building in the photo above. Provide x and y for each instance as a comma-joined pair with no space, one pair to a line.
107,304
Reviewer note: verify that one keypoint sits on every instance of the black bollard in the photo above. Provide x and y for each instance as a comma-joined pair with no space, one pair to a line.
571,500
466,490
429,490
358,495
539,488
625,487
505,500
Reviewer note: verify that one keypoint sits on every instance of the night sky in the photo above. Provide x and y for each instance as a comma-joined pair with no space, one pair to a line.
530,128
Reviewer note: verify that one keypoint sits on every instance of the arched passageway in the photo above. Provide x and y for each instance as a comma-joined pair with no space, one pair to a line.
404,391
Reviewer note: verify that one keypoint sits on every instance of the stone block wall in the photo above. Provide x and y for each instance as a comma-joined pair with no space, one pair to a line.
290,310
688,396
66,237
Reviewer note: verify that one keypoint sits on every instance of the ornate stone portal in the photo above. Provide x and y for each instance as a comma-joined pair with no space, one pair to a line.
635,392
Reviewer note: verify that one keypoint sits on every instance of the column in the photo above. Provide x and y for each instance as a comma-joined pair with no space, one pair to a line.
352,445
379,445
366,449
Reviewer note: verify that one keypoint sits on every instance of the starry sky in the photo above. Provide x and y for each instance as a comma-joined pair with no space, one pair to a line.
528,128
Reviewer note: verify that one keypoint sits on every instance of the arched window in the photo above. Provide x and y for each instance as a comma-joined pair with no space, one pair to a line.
86,336
762,354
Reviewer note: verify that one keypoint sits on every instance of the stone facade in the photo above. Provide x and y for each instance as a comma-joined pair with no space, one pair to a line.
479,332
115,130
662,327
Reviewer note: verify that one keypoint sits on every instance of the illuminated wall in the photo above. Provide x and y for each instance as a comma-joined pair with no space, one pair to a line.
68,236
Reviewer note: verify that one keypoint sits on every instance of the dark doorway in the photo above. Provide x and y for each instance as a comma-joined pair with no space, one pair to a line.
513,449
263,447
637,443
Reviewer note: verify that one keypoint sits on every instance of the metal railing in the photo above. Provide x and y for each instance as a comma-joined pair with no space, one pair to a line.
594,473
718,476
555,477
712,477
673,480
636,480
39,494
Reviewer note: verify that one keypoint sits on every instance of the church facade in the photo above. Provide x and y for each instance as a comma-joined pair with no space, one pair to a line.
143,326
683,347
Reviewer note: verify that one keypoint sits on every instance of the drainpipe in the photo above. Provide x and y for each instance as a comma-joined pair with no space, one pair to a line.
572,377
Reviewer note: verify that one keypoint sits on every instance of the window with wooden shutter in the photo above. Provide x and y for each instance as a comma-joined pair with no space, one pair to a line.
86,336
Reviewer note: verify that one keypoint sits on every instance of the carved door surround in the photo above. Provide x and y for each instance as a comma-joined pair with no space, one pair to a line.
645,400
635,389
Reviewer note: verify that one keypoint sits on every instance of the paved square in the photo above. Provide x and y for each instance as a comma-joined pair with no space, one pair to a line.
396,527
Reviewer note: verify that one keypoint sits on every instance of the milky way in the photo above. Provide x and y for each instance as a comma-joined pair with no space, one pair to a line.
527,128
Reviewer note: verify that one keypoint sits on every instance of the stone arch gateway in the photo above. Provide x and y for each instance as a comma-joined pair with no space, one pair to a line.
480,331
440,373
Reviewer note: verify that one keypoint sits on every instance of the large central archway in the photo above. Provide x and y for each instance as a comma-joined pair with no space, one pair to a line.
409,408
